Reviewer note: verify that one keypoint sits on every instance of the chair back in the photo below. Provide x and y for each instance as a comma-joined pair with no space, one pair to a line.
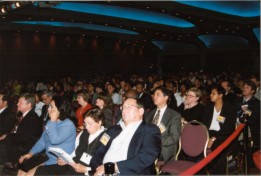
193,139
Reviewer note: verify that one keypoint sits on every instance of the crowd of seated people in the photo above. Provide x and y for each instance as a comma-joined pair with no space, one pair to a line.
220,101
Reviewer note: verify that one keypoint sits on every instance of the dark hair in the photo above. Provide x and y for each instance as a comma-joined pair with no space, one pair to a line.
96,114
106,98
63,107
251,84
85,95
99,85
164,90
140,83
6,97
219,88
39,94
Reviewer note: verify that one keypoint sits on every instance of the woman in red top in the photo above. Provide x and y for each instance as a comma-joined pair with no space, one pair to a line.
82,98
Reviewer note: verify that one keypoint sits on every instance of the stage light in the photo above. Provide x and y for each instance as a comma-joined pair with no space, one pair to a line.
3,10
18,4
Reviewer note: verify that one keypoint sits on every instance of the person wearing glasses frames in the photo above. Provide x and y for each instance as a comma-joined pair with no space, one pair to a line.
191,108
132,146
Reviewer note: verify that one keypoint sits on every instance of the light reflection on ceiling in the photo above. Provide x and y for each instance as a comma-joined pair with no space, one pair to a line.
237,8
169,44
78,25
222,40
126,13
257,33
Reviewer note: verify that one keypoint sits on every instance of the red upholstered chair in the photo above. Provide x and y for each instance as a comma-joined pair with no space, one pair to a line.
193,142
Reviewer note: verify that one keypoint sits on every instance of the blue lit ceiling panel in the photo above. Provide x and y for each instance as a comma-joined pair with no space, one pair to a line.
79,25
125,13
257,33
237,8
216,40
169,44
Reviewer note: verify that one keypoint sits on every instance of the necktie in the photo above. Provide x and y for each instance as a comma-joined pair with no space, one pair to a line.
156,118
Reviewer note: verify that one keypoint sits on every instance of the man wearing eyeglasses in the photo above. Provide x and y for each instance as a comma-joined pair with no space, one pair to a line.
132,146
168,121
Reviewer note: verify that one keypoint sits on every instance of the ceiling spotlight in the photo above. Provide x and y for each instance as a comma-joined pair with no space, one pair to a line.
3,10
18,4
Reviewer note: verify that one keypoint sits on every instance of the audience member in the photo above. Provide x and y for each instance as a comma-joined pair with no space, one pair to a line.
59,132
133,146
168,122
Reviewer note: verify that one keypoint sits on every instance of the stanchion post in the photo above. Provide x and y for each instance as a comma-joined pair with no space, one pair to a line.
246,145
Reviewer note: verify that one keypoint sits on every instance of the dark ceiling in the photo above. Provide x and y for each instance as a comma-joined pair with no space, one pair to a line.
210,28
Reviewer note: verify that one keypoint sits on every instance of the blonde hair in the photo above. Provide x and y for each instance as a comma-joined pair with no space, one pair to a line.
196,91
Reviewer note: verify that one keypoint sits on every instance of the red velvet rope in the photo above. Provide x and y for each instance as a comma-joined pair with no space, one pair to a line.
197,167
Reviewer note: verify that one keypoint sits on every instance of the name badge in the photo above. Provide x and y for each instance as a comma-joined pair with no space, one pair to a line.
162,128
105,139
86,158
221,119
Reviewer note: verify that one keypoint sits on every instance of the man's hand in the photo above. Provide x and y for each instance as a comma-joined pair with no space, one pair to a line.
99,171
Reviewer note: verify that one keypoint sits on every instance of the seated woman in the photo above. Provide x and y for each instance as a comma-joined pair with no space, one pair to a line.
86,143
104,102
59,132
220,119
191,109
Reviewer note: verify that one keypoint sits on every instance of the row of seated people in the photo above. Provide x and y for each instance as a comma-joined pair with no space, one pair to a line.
219,117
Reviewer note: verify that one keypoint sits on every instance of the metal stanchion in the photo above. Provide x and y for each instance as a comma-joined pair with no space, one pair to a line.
246,145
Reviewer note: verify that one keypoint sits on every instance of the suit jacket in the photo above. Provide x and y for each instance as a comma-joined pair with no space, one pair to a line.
253,119
7,121
143,150
226,128
44,115
169,138
28,131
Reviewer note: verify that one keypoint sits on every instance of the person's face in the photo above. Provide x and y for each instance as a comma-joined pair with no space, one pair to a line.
159,99
53,110
247,90
214,96
47,100
182,88
122,83
170,86
190,98
98,89
80,99
91,125
3,104
100,103
110,89
225,86
22,105
130,111
139,88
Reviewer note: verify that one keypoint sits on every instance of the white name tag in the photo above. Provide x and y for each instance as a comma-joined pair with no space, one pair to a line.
86,158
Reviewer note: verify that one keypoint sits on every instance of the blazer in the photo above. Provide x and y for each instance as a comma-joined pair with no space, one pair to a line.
226,128
28,131
7,121
144,149
169,138
253,120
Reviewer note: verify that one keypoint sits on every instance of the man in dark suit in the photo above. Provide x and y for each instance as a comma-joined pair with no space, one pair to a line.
249,106
25,133
144,97
7,117
47,98
133,146
168,121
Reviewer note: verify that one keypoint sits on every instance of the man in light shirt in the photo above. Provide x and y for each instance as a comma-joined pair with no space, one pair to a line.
133,145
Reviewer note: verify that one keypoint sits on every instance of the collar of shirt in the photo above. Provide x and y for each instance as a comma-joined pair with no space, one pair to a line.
162,110
24,114
1,110
95,135
130,125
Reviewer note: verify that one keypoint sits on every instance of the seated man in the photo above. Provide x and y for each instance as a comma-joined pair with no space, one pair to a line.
7,117
132,146
25,133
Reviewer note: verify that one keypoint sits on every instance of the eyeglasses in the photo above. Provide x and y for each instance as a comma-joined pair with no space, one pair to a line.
189,96
128,107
